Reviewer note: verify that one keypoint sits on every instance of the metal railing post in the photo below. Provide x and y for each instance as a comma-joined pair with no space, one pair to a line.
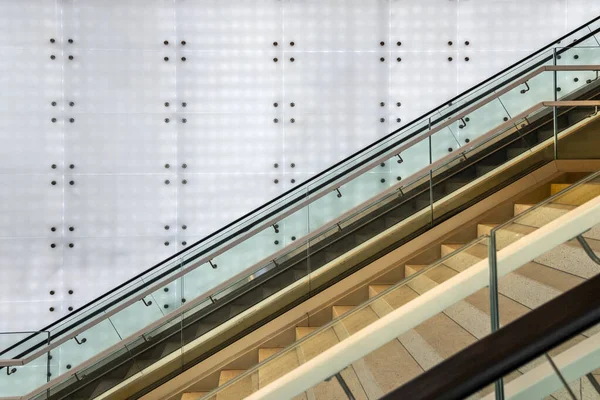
494,312
554,108
430,175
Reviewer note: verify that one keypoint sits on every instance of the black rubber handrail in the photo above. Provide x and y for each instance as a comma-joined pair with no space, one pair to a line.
505,350
303,194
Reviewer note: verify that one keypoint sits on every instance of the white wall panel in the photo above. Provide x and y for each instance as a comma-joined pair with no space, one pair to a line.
28,23
253,143
120,205
336,82
511,24
31,79
118,24
229,82
30,143
110,81
232,25
121,143
204,94
21,197
423,80
335,25
418,25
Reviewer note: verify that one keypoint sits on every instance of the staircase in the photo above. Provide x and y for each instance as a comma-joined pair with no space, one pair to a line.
446,333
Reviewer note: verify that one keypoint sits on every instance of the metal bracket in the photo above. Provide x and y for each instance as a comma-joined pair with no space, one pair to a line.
212,265
147,303
400,160
464,124
592,80
588,249
523,91
276,228
339,227
594,113
10,371
80,341
339,194
400,191
211,299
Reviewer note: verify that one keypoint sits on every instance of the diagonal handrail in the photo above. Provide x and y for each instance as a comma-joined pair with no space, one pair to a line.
414,177
412,123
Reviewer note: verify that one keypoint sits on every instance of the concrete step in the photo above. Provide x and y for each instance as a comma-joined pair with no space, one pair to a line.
413,269
576,196
314,346
284,363
548,213
466,258
238,390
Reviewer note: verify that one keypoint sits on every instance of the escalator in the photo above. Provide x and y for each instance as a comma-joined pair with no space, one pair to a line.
455,156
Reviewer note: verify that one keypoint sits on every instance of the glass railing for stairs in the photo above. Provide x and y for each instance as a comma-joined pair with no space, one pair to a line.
464,319
411,178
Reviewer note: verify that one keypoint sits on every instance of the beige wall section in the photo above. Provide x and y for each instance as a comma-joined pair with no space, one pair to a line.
388,269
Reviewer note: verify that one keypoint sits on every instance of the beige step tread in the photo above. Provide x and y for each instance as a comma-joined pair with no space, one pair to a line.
354,321
509,309
576,196
266,352
507,234
570,257
285,362
388,367
302,331
413,269
239,389
431,278
465,258
399,296
228,374
316,344
551,277
466,315
548,213
444,335
193,395
542,214
374,290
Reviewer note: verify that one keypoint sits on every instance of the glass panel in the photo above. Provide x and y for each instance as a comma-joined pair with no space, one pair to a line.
482,167
571,82
17,380
530,93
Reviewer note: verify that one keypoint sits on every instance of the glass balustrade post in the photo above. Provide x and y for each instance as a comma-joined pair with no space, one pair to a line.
430,175
554,108
494,312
